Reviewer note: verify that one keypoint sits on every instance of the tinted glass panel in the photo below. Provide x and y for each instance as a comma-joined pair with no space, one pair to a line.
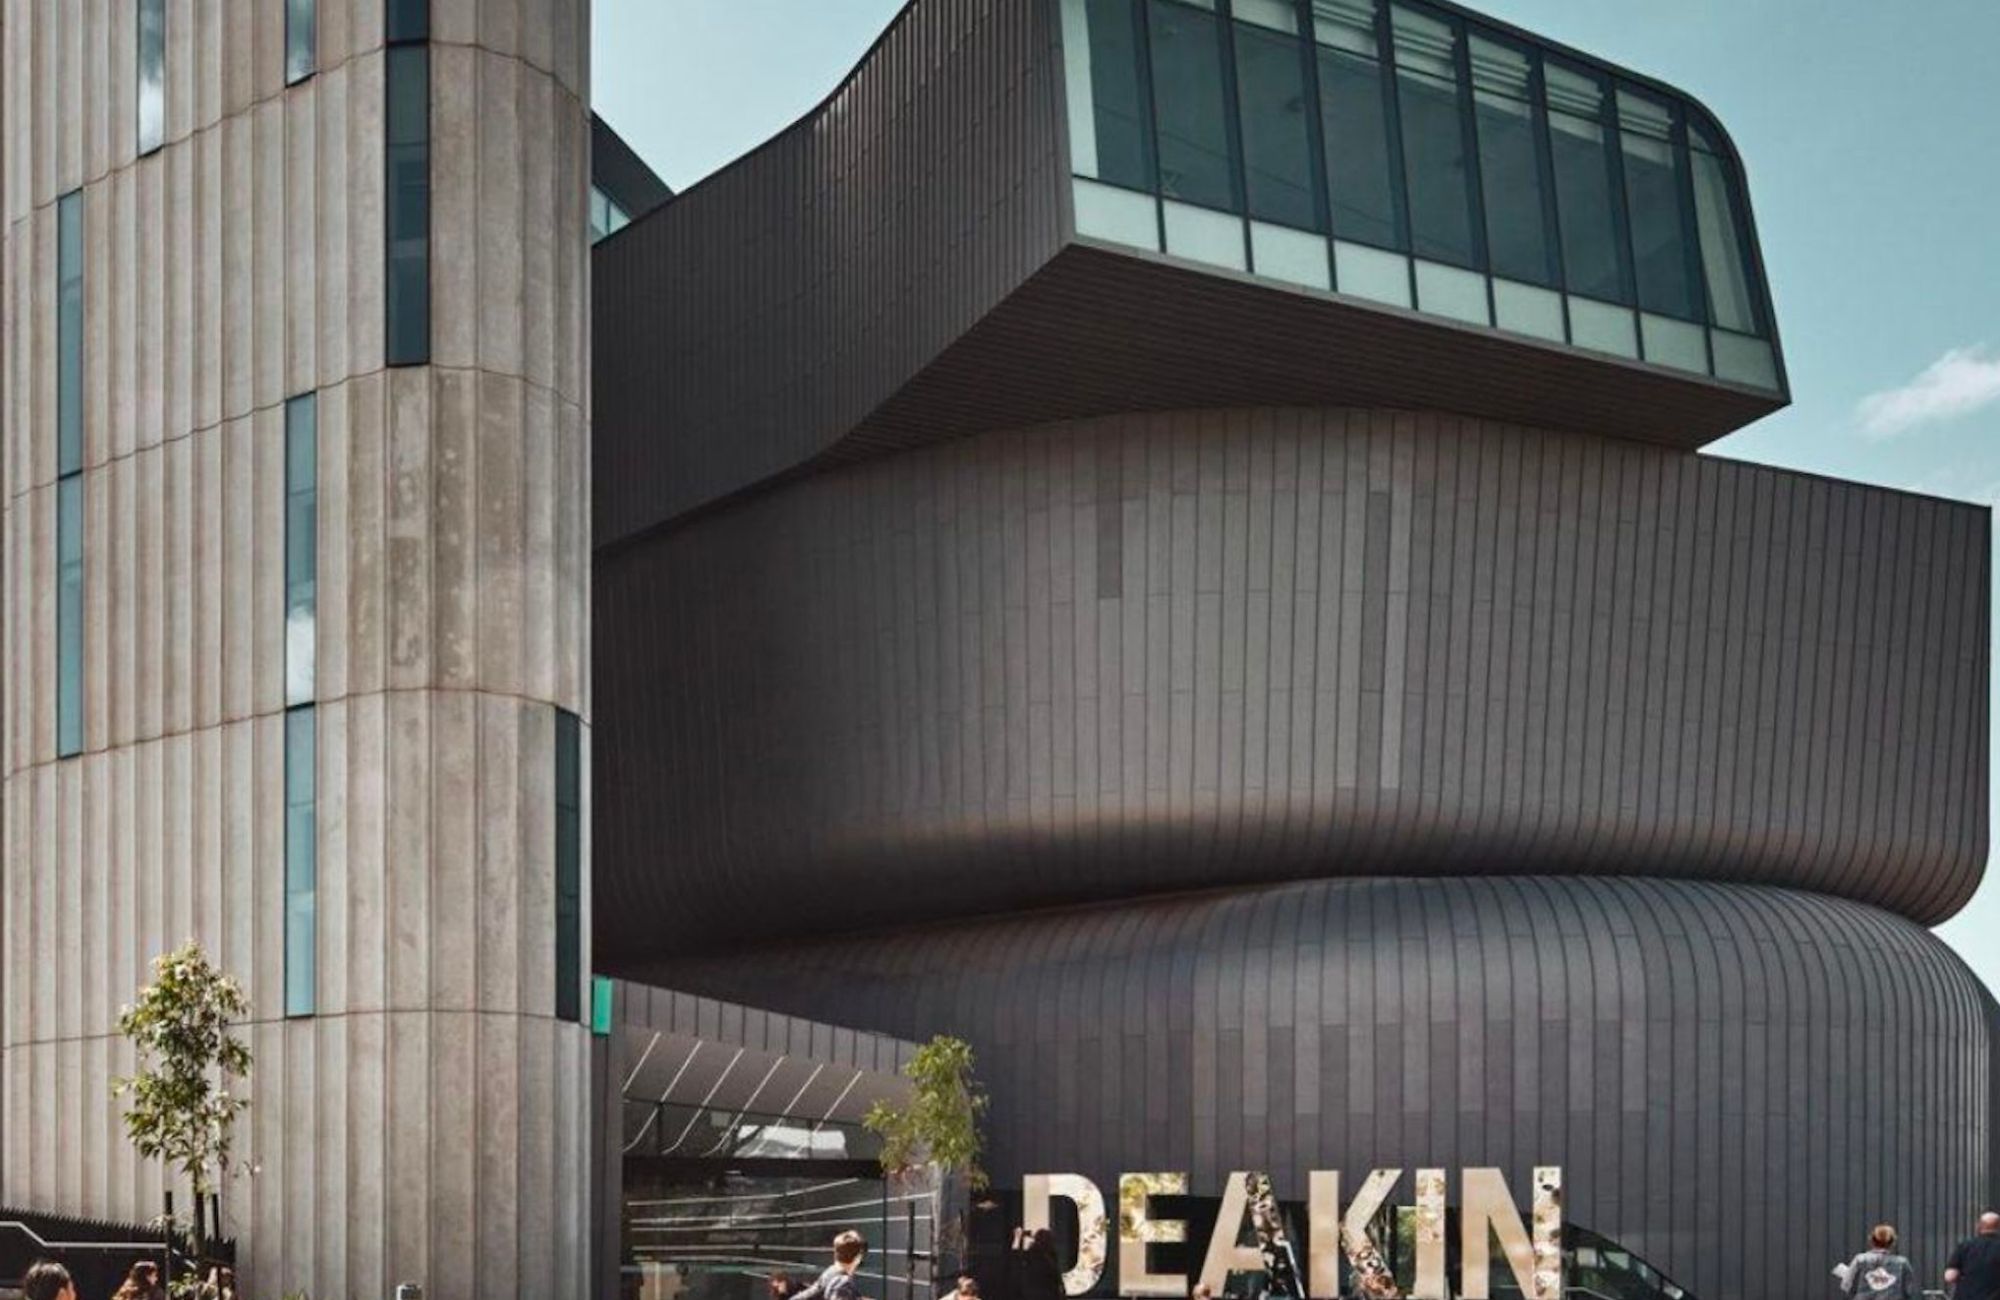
301,864
301,39
409,205
1663,248
1724,244
69,615
1585,199
408,20
152,74
69,333
1434,154
1519,242
1277,136
569,866
301,545
1109,138
1360,149
1190,107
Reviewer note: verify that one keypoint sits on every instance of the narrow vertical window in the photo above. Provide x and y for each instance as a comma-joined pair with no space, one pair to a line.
1361,147
1719,219
1585,198
301,863
301,39
1664,260
1519,242
1274,106
1109,136
301,545
569,866
69,471
1192,112
1437,173
152,74
408,20
408,325
69,615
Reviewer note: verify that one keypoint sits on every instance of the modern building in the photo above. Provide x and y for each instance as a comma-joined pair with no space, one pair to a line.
1167,537
1162,536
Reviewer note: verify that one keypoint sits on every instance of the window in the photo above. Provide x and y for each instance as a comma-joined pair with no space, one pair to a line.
606,217
407,20
569,866
1724,234
1519,242
301,545
1585,197
1275,103
69,615
152,74
301,39
1361,148
301,863
1197,164
1663,250
69,333
1442,220
408,337
69,471
1109,135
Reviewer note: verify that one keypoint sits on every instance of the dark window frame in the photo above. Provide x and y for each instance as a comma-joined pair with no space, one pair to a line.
395,308
569,847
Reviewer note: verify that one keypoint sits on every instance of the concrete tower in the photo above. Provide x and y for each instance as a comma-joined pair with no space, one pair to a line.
296,609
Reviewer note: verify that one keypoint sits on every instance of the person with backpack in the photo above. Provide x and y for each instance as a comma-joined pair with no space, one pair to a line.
1878,1273
837,1282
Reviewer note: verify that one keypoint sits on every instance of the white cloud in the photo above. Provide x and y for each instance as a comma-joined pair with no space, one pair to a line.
1960,382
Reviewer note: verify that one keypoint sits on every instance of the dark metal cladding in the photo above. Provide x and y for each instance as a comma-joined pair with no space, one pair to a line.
1174,651
1736,1080
750,323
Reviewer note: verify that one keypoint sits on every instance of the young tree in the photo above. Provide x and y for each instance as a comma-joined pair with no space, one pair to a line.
938,1127
182,1110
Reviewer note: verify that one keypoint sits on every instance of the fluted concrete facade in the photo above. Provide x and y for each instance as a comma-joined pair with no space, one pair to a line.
429,1122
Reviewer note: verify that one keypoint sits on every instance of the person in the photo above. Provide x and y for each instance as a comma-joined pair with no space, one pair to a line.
1974,1267
967,1288
1203,1291
1880,1272
1041,1275
142,1282
781,1287
47,1280
837,1282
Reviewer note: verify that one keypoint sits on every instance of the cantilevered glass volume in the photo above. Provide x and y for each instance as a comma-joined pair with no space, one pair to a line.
1409,154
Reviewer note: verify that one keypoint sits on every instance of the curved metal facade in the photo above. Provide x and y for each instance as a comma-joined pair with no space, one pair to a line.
1737,1080
1179,651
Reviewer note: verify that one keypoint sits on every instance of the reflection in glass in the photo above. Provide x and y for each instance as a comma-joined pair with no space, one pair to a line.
1360,150
1663,253
1434,155
152,39
69,615
1518,240
1107,103
301,39
301,863
301,545
409,234
1585,198
407,20
1277,137
69,333
1719,220
1191,108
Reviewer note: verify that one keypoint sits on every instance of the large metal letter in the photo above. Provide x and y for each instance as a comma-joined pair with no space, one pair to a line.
1430,1283
1225,1254
1372,1275
1488,1212
1137,1230
1323,1234
1036,1189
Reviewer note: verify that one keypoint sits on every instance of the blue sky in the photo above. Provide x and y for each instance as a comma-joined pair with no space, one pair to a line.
1871,131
